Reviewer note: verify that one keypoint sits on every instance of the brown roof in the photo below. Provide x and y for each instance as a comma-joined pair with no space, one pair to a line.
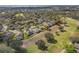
75,34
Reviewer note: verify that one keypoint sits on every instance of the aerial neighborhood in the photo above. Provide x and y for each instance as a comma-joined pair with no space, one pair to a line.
48,29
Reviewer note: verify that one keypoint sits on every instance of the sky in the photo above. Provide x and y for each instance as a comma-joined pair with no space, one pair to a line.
24,5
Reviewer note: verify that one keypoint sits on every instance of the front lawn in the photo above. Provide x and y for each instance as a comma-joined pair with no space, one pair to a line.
63,38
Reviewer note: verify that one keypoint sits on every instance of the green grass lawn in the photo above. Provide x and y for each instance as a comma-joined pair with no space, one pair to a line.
62,39
32,49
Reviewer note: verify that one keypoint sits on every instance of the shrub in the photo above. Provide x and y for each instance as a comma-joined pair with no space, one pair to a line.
41,45
70,49
5,49
50,38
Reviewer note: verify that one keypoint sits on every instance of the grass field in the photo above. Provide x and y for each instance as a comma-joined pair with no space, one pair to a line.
33,49
62,39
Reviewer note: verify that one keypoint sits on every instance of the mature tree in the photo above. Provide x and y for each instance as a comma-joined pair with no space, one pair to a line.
6,49
57,33
61,28
16,44
1,36
1,27
50,38
77,27
41,45
7,37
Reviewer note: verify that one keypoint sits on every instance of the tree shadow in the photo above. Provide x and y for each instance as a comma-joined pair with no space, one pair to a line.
50,38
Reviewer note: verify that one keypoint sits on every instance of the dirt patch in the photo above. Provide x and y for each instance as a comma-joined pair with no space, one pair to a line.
39,36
